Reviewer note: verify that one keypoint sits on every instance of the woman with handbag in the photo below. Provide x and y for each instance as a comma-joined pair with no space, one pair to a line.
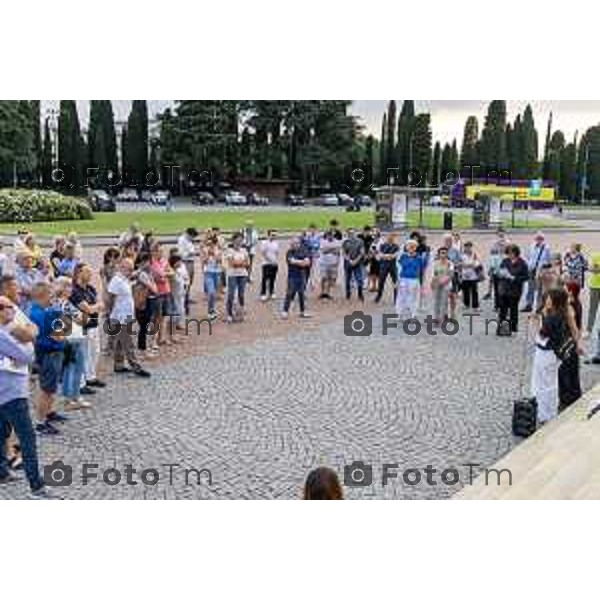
441,282
471,271
145,302
554,344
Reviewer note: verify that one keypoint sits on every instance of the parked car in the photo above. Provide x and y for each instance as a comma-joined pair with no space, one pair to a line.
363,200
234,198
329,200
345,200
102,201
257,199
128,195
159,198
203,199
293,200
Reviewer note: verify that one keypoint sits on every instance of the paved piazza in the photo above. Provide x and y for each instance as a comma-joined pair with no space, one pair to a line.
260,406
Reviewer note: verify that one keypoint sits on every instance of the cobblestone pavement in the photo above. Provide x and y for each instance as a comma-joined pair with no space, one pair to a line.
262,402
259,416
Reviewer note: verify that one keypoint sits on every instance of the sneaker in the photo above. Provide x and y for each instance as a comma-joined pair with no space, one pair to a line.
10,477
83,403
122,370
264,298
55,417
285,315
141,372
16,462
229,319
76,404
487,297
95,383
87,391
46,428
273,296
44,493
527,309
305,315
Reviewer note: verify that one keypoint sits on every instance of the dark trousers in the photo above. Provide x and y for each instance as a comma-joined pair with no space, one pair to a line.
387,268
143,318
296,286
15,415
267,284
190,267
508,306
470,290
495,283
355,272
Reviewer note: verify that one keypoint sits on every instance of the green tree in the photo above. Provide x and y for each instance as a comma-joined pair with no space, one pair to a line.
469,153
554,157
493,137
70,146
436,164
422,146
529,144
568,172
390,140
136,152
546,166
383,151
405,150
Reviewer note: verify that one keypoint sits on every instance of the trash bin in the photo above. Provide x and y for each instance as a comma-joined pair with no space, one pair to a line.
448,221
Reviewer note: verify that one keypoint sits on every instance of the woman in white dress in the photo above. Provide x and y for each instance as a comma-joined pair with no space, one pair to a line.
553,334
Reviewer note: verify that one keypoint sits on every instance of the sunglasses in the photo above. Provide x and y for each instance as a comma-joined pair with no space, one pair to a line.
5,306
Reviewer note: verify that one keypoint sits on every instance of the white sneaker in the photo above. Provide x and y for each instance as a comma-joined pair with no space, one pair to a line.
273,297
229,319
305,315
264,298
284,315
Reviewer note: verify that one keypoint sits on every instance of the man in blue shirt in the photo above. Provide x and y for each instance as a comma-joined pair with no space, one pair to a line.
539,255
16,355
49,349
298,261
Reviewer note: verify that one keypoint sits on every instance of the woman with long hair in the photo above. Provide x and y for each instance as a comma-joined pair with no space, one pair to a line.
551,341
323,484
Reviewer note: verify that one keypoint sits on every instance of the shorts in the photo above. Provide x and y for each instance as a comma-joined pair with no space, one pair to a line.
50,369
329,271
169,309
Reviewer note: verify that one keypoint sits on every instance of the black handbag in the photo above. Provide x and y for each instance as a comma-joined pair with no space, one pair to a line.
565,349
524,419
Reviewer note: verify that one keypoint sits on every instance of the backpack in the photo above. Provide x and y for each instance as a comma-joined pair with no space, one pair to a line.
140,295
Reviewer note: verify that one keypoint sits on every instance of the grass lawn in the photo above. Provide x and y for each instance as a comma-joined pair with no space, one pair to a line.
285,220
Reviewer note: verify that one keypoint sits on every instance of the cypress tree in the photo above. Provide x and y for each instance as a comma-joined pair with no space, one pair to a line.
529,141
70,146
436,164
422,146
493,137
405,149
383,152
568,172
545,168
137,142
469,150
391,135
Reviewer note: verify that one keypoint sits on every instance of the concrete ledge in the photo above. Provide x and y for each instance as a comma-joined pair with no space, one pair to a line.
561,461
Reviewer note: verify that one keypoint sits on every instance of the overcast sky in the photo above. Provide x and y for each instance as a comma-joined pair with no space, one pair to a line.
447,116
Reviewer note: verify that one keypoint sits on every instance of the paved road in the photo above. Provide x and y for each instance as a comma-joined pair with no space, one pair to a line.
260,415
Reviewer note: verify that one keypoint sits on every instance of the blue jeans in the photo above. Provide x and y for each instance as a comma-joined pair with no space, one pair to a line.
295,287
211,284
235,283
354,272
73,371
15,415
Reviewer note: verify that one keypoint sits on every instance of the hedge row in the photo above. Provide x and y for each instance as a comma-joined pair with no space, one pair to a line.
26,206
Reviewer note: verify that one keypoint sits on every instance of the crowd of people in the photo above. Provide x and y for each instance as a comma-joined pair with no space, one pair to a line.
60,313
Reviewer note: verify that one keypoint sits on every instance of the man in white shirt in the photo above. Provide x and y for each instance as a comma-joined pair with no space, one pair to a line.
269,251
122,319
186,248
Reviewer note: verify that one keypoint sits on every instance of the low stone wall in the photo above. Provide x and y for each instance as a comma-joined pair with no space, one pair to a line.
561,461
